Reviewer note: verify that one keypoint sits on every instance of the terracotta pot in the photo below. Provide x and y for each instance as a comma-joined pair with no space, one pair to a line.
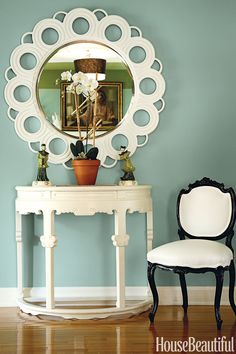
86,171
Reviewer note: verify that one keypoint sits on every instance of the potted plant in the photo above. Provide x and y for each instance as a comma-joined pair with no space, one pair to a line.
85,162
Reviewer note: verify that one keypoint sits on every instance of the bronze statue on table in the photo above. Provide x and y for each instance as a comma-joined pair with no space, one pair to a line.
42,178
42,164
128,167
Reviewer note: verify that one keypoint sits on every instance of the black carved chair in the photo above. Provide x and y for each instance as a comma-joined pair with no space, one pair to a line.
205,214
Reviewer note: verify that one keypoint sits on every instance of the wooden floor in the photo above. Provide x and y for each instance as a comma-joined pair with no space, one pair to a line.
23,334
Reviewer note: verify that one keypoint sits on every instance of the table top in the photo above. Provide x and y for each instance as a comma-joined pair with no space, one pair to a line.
83,200
75,188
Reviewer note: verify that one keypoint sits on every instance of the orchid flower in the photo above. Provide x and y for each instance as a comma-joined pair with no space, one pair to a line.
66,76
81,84
92,84
79,78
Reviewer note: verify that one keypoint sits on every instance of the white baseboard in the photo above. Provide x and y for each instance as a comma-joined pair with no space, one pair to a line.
198,295
8,297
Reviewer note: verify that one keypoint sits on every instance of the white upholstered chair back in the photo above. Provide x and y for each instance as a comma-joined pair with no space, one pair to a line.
205,211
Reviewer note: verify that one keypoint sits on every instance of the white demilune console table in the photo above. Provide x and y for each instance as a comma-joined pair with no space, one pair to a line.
81,200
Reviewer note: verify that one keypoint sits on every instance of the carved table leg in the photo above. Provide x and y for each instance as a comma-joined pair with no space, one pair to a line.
120,240
19,255
48,240
149,230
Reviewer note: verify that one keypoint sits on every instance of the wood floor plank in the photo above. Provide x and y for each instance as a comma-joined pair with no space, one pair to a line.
24,334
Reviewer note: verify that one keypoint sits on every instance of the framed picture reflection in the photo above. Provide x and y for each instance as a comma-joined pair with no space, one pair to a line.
109,107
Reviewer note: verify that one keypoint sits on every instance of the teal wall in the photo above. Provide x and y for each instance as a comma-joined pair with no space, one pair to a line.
195,40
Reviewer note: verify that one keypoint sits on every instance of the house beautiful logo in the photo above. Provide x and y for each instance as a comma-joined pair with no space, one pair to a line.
191,345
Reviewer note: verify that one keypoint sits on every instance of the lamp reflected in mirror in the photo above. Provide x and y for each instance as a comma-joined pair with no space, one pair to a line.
94,68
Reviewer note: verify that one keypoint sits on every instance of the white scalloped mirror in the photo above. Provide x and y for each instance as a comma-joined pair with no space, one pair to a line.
38,116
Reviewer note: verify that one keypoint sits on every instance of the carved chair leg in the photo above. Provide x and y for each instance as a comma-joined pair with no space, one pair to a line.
219,285
231,285
151,280
184,291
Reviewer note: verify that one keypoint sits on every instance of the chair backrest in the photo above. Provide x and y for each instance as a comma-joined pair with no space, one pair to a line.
206,210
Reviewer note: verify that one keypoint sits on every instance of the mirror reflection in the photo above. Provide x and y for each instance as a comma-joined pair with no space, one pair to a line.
114,95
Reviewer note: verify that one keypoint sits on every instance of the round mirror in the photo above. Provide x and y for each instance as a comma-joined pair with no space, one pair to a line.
114,92
131,93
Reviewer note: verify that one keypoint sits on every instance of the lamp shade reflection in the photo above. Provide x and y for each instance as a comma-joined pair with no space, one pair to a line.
92,67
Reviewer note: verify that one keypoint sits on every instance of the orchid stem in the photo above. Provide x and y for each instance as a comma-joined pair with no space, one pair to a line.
81,105
95,114
77,115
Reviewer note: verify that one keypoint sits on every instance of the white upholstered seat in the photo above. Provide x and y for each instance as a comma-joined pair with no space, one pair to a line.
206,213
192,253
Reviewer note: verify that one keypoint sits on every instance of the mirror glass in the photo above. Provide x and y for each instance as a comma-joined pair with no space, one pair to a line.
114,95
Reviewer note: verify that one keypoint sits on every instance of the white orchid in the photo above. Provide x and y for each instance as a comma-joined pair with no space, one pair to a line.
90,89
80,83
79,78
92,85
80,89
66,76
